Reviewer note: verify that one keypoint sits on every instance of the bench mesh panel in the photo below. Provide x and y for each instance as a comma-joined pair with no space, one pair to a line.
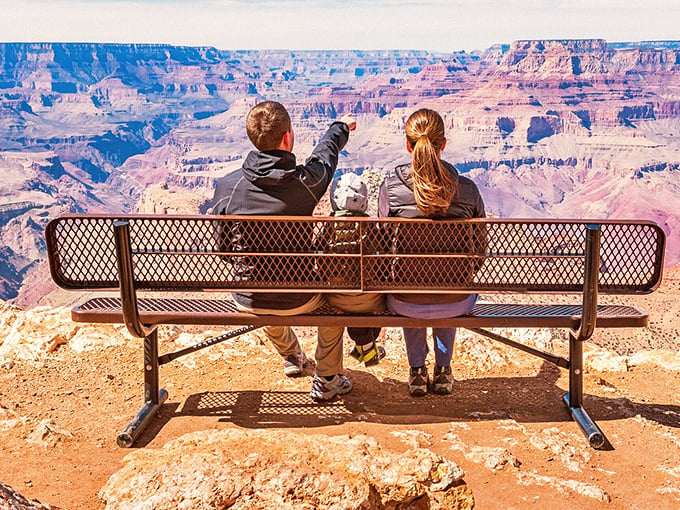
361,254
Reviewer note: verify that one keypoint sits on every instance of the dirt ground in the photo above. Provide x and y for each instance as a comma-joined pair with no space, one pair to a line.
94,394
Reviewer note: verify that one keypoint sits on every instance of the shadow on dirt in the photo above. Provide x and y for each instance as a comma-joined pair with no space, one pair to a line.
532,399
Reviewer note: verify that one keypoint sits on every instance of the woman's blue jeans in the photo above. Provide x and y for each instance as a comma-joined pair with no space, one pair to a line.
415,338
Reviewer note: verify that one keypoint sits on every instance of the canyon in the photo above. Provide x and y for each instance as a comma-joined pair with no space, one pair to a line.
559,128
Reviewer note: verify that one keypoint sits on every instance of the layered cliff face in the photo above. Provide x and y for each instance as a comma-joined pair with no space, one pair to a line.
546,128
586,58
573,129
99,127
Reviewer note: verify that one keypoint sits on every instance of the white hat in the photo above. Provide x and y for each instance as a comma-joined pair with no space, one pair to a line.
349,192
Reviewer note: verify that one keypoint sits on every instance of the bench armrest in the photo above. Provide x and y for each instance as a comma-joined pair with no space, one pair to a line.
590,283
128,293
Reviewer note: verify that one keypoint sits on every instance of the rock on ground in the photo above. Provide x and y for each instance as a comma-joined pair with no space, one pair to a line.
12,500
283,470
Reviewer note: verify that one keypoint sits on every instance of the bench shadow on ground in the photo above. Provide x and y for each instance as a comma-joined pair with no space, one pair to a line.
533,399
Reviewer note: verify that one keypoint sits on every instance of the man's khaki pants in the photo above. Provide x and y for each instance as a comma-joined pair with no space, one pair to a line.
283,337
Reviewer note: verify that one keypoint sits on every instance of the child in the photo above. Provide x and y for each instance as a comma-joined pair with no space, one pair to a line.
349,197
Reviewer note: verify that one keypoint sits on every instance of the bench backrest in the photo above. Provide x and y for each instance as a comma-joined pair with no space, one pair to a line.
285,254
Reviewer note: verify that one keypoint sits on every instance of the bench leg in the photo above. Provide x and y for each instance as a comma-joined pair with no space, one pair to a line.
574,399
153,395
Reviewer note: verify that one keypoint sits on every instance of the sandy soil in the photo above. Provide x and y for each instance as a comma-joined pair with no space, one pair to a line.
93,395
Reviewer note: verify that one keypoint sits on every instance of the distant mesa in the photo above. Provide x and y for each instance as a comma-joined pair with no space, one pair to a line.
587,58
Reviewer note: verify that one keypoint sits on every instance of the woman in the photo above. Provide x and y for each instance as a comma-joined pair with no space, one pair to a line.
429,188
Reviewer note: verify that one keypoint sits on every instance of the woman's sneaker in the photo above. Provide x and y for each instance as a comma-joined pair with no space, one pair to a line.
368,356
442,381
294,364
418,381
326,390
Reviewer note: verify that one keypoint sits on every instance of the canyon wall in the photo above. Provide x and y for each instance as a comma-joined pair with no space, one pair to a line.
555,128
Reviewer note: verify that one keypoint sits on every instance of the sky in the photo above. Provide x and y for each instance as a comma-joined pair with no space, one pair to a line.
437,25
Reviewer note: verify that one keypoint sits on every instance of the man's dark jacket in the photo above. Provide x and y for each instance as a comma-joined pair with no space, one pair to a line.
271,183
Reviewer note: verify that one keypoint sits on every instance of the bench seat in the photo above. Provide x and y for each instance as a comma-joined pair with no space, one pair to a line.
224,312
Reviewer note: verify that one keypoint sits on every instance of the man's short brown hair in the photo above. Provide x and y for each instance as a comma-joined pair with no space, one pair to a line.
266,124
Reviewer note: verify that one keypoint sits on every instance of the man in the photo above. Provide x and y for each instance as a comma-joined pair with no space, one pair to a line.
271,183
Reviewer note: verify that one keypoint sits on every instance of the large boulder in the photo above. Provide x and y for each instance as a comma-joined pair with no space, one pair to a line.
240,469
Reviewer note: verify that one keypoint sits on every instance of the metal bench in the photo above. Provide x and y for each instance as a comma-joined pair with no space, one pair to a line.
160,255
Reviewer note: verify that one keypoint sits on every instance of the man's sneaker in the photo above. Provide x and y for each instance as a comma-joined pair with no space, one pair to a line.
294,364
442,381
368,356
326,390
417,381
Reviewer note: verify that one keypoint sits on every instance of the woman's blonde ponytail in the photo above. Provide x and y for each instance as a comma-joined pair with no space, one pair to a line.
433,185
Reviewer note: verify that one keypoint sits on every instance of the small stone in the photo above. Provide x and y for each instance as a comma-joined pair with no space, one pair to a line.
47,434
564,486
493,458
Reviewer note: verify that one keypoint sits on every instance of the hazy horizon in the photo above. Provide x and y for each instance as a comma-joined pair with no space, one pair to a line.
433,25
432,51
